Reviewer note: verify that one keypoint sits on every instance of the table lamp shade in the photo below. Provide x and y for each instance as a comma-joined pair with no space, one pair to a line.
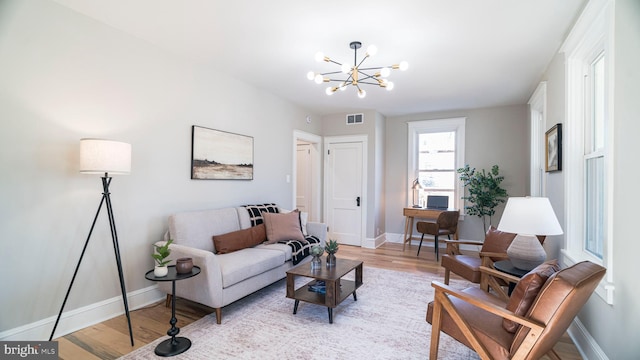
98,156
528,217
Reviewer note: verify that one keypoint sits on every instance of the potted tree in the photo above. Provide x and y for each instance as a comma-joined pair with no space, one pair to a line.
162,252
484,192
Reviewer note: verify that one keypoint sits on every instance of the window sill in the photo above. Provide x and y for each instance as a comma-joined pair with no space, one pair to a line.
605,289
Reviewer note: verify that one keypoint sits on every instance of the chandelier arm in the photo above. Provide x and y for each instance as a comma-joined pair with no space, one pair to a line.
375,68
331,73
368,83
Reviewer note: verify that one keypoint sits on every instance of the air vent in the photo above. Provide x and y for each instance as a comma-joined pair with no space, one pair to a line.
355,119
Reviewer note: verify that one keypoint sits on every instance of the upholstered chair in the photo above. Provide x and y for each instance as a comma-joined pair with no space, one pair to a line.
527,326
494,248
446,224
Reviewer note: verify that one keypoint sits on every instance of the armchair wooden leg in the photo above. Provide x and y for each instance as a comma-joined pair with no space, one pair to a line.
218,315
419,246
447,274
167,303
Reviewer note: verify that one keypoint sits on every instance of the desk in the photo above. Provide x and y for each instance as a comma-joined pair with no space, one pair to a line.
421,213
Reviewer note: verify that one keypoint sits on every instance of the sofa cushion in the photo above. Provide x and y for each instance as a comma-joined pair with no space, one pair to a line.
246,263
195,228
283,227
304,218
239,239
527,290
283,248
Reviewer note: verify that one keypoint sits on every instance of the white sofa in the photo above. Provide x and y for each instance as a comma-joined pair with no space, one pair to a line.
225,278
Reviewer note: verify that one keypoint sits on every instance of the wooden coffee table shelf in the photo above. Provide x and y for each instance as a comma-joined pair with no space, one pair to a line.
337,289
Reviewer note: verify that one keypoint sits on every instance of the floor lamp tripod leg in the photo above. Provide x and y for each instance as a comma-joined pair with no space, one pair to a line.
76,270
116,250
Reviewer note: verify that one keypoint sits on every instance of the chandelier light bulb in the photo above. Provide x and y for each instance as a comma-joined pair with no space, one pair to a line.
319,56
345,68
329,91
385,72
372,50
311,75
343,86
389,85
404,65
318,79
362,93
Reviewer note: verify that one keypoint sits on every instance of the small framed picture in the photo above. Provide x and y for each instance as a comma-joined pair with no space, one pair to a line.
553,148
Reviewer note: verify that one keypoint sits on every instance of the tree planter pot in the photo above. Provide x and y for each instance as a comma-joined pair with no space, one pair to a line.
160,271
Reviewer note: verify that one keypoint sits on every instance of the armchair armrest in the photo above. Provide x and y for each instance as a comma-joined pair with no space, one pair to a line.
493,279
487,306
453,246
494,255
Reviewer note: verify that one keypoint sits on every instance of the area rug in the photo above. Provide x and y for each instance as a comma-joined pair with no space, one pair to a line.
386,322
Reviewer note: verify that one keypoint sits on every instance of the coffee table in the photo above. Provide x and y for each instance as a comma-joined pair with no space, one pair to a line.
337,288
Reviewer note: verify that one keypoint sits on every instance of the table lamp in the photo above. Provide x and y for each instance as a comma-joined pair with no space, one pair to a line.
416,187
104,157
528,217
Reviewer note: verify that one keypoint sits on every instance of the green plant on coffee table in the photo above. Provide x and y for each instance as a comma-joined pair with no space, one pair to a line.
161,253
317,250
331,247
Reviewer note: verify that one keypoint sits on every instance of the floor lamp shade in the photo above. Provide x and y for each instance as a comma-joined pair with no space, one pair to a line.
528,217
99,156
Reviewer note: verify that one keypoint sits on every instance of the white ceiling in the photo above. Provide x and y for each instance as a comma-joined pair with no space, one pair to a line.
462,53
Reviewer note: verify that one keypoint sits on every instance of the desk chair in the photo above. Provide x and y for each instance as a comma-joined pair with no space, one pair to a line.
446,224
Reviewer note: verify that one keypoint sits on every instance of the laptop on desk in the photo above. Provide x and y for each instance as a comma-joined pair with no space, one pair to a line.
437,202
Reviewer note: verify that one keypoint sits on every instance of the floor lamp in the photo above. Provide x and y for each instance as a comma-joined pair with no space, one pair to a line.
106,157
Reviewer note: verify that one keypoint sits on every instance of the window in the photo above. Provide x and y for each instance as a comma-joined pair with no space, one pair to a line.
436,151
589,150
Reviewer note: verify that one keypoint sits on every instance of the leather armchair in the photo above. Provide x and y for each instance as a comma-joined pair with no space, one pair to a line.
494,248
475,317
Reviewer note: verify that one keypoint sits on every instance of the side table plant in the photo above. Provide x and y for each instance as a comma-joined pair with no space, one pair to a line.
162,252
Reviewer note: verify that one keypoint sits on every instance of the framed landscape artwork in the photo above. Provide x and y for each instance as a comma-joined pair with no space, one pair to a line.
553,148
220,155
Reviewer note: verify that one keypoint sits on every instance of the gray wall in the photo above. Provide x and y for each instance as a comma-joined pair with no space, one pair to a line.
65,77
373,128
615,328
493,136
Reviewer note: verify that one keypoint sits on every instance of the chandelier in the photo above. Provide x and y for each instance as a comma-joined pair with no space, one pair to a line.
356,75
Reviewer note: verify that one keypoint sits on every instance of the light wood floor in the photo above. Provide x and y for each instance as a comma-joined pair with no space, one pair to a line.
110,339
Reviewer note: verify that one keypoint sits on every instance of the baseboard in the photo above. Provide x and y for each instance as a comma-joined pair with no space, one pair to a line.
374,243
397,238
586,344
80,318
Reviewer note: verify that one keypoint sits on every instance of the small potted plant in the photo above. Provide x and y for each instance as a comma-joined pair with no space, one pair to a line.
316,251
331,248
159,256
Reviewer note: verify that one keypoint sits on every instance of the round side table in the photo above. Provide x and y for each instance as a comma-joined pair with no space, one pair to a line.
174,345
507,267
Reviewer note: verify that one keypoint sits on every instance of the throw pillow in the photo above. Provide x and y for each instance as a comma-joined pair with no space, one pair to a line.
527,290
238,240
283,227
496,241
304,216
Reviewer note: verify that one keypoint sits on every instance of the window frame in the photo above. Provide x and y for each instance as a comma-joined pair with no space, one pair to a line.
591,36
415,128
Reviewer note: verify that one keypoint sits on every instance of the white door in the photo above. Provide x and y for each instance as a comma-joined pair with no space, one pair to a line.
303,177
345,191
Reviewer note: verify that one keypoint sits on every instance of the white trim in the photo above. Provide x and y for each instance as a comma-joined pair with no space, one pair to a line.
370,243
76,319
538,119
316,142
592,33
450,124
585,343
364,203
